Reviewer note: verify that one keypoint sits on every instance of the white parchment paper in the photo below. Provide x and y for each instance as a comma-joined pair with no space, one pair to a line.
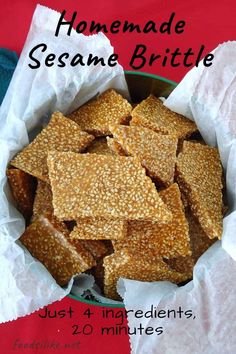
208,96
32,96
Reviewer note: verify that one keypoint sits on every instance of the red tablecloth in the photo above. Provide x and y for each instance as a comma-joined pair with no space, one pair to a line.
207,22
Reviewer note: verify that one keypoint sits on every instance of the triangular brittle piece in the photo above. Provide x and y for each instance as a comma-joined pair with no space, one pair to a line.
132,265
167,240
61,134
200,178
156,152
151,113
96,116
89,185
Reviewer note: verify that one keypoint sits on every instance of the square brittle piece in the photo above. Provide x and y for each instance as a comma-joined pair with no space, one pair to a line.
89,185
96,116
99,229
61,134
156,152
166,240
23,190
48,241
151,113
199,175
132,265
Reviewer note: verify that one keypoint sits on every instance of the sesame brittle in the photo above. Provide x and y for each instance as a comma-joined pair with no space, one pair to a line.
121,204
23,190
61,134
96,116
151,113
199,175
156,152
48,241
89,185
129,264
199,244
167,240
43,199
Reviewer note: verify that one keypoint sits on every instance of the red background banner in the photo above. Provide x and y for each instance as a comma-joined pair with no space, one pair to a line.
207,22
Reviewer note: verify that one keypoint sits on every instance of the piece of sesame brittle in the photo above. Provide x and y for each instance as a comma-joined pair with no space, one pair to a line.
89,185
43,199
199,244
132,265
199,175
61,134
48,241
199,240
156,152
96,116
167,240
23,190
151,113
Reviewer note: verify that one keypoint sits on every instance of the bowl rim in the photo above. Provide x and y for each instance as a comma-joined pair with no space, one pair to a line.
121,305
152,76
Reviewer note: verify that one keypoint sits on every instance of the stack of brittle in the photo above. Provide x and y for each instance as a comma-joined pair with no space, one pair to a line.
121,192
